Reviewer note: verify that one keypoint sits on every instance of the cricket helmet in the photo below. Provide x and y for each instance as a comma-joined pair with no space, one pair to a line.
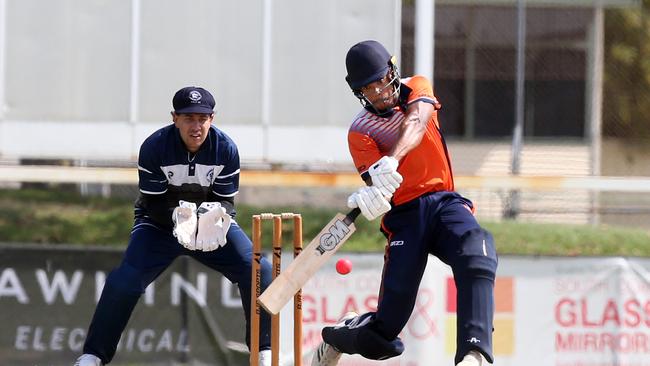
367,62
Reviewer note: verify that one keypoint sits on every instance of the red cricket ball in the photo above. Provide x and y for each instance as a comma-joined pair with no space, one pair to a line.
343,266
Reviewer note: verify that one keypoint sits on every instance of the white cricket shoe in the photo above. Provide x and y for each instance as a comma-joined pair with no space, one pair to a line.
472,358
88,360
327,355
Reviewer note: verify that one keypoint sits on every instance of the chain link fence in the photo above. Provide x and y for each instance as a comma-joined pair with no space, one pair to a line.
475,76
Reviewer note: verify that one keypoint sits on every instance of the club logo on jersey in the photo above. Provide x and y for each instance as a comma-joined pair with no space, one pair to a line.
195,96
335,233
210,175
170,174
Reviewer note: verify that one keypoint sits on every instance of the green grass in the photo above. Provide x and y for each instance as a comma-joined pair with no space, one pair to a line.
56,217
61,217
366,238
568,240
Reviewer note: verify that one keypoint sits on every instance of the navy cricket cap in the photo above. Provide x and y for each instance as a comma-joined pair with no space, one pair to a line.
193,99
366,62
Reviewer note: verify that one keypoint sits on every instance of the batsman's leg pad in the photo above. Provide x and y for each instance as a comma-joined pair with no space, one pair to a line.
474,274
359,336
375,347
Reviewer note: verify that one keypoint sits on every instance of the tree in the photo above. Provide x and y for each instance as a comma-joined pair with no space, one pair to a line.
626,94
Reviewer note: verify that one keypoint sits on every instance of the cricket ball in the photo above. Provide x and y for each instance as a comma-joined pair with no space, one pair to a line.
343,266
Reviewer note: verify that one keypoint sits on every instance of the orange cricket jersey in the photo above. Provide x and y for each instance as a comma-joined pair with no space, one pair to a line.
426,168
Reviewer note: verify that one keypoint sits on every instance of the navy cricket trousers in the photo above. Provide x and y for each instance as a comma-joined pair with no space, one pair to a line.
150,251
443,225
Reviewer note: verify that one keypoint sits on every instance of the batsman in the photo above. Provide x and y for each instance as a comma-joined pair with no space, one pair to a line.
398,148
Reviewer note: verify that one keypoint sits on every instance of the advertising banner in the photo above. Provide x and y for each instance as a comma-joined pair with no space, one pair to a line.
579,312
48,296
549,311
330,295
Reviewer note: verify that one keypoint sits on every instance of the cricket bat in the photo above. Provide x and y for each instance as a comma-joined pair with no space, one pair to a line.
308,262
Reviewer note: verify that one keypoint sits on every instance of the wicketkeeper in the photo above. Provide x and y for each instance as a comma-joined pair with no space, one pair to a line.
188,178
398,148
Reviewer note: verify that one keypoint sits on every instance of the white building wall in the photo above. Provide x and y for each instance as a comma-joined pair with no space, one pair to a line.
68,73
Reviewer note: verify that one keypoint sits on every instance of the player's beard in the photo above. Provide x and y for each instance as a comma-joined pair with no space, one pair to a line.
386,104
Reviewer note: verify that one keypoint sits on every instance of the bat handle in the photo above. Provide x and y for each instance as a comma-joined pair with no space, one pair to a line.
352,215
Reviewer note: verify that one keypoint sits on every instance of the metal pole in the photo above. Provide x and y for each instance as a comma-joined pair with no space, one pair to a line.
397,31
3,48
512,210
183,357
470,78
594,100
134,98
267,39
424,23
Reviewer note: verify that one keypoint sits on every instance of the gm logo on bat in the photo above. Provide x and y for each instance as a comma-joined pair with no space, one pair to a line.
333,236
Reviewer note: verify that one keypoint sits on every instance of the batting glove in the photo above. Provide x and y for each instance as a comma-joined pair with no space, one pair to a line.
184,217
214,223
370,201
385,176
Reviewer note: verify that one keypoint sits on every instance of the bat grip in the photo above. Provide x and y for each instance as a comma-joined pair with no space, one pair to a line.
352,215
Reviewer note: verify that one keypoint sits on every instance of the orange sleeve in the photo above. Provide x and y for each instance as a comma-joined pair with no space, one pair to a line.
364,151
423,91
421,88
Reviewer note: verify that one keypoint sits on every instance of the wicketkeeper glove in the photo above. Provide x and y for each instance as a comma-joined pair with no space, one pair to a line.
385,176
370,201
185,222
214,223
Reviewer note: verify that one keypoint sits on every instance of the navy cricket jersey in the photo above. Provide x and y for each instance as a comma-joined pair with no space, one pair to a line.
169,173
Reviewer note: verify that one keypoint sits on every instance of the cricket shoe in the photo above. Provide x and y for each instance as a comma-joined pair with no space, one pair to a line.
327,355
472,358
88,360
